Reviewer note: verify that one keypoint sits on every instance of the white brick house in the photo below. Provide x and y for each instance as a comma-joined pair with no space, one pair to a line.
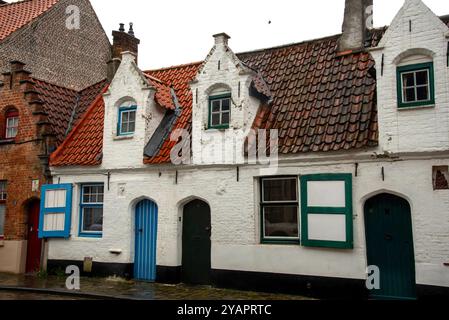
355,180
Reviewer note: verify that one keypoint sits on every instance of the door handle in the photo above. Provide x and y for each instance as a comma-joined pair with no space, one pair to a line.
388,237
208,228
140,230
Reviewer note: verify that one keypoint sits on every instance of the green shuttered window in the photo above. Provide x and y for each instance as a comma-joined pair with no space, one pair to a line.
315,211
326,211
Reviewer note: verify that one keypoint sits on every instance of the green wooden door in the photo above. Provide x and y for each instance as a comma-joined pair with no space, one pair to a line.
196,243
389,241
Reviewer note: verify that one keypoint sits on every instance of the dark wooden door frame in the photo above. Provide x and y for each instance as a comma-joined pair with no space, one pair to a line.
391,242
34,244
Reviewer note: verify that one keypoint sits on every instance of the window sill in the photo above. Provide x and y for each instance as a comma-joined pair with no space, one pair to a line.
212,129
7,141
91,235
281,242
416,107
124,137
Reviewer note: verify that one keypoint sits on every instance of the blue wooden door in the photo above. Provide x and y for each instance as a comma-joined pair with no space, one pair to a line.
146,237
389,241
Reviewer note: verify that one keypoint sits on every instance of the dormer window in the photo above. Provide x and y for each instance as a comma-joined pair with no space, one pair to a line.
219,111
416,85
11,123
127,121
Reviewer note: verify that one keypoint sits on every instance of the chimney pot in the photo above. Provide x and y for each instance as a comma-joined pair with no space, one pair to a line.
221,38
131,30
122,27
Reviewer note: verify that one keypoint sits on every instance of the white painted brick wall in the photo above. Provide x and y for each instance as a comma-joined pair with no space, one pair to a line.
236,220
243,110
422,129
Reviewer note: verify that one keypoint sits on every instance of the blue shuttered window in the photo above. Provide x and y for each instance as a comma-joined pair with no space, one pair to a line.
56,211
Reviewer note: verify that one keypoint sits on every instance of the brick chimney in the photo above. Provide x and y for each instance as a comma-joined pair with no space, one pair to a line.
356,23
122,41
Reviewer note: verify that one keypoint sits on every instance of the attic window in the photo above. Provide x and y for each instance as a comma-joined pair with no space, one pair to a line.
219,111
416,85
127,121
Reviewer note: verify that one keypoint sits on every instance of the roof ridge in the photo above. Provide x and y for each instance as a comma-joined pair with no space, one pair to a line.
246,52
174,67
75,129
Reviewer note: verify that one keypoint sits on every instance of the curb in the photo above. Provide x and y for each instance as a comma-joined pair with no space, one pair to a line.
68,293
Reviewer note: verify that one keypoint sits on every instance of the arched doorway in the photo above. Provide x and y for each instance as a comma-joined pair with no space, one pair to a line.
34,244
196,243
146,213
389,245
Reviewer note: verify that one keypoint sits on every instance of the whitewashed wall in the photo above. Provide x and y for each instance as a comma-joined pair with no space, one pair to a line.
236,221
415,129
222,72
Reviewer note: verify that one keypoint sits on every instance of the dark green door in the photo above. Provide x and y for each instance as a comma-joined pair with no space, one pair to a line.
389,241
196,244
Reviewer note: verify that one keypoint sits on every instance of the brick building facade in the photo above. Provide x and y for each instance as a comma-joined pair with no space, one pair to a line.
50,74
73,58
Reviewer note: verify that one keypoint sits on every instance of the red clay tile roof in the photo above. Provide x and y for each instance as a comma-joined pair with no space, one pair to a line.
65,106
163,95
14,16
83,146
321,101
179,78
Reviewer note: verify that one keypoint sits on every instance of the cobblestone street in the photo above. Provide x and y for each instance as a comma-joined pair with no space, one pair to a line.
16,287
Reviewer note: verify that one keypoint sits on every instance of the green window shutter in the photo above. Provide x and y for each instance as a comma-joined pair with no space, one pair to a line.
326,211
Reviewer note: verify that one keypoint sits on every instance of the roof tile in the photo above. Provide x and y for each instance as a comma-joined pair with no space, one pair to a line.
14,16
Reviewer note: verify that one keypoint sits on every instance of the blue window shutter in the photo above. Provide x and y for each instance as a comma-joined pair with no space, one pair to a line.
56,211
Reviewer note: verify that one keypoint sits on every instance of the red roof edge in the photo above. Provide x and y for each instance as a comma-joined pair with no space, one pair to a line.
92,106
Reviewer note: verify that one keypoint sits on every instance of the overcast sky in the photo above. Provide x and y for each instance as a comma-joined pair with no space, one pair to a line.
180,31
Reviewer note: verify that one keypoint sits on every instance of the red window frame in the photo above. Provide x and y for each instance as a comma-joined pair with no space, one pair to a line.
12,113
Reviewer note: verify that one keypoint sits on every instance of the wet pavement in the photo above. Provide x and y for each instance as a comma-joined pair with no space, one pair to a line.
15,287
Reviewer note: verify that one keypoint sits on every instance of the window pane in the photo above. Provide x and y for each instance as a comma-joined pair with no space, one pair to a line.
2,219
225,104
215,119
93,194
132,116
93,219
225,118
125,116
124,127
216,106
421,77
423,93
408,79
409,95
281,222
280,190
131,127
